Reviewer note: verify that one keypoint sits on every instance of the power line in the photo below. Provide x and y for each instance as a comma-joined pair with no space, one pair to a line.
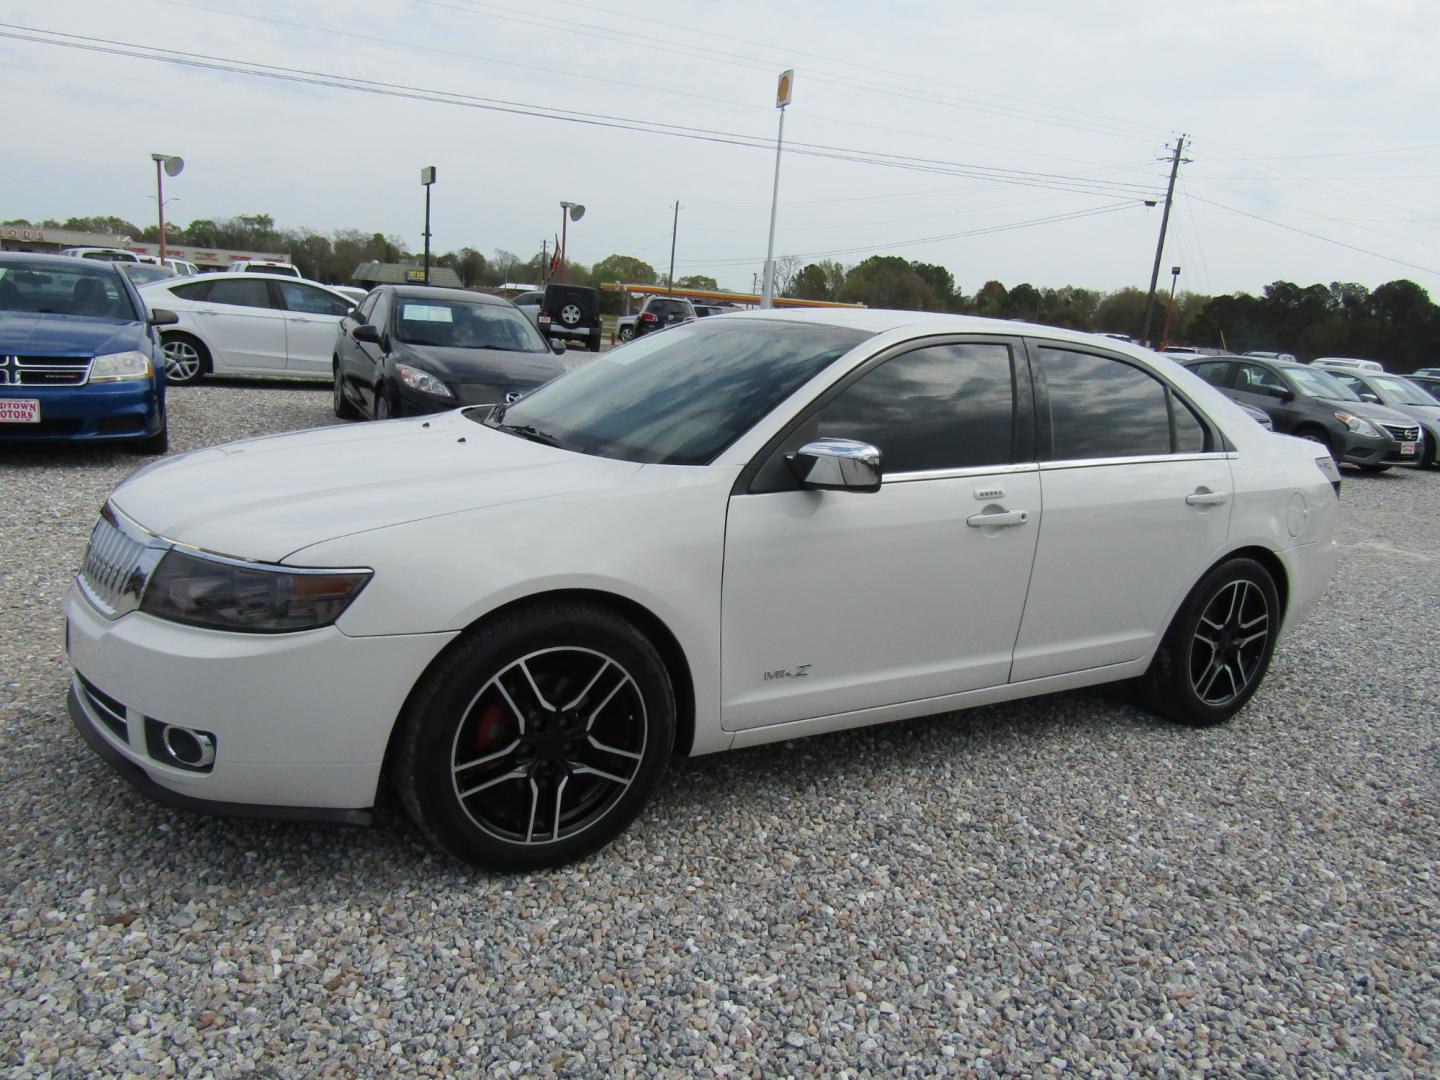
1316,236
1019,177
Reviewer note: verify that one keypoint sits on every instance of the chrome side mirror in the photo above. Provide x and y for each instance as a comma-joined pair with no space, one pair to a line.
837,465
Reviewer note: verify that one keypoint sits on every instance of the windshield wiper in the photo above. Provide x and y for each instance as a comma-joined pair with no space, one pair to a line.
525,431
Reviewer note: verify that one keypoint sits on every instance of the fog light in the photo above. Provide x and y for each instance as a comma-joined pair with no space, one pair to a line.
181,747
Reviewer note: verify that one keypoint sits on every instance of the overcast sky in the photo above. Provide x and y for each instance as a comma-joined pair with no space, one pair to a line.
1048,120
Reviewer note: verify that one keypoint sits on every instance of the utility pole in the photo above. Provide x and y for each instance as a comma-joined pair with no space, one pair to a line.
674,228
544,261
1160,246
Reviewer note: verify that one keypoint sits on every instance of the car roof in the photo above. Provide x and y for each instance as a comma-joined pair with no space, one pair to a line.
880,320
59,262
436,292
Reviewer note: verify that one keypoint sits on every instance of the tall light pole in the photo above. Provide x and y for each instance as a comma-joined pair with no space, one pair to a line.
1169,308
569,211
427,177
164,164
782,98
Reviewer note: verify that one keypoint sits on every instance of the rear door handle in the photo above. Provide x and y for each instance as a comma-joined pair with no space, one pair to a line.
1003,519
1206,497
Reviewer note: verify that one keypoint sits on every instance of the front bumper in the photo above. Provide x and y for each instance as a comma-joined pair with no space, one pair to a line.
94,412
300,721
1356,450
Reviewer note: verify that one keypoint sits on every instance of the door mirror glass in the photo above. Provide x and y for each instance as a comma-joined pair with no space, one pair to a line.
161,317
366,332
1373,399
837,465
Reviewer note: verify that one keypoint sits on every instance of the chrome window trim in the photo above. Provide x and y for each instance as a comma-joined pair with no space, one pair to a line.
955,474
1142,459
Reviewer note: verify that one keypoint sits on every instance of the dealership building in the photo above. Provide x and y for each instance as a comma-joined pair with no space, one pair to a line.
53,241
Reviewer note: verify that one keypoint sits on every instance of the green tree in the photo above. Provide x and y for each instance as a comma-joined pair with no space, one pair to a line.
623,269
990,299
888,281
812,283
697,281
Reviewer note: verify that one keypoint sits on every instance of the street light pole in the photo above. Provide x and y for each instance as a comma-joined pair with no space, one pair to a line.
674,228
427,177
782,99
164,163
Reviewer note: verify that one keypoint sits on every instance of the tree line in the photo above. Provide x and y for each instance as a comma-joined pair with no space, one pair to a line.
1396,322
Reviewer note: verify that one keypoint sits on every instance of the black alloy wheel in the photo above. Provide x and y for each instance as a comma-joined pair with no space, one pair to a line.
1218,647
537,739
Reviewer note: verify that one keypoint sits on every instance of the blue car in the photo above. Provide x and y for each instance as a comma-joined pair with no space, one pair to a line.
80,357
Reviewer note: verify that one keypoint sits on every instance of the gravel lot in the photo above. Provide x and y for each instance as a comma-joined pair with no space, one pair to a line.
1061,885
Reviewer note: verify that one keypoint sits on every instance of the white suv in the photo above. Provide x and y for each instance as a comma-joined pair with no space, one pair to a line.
264,266
1346,363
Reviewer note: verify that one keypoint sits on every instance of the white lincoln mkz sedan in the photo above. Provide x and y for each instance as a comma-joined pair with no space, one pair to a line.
736,531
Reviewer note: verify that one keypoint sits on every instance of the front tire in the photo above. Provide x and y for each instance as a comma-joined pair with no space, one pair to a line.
341,404
626,333
536,740
186,359
384,407
1218,647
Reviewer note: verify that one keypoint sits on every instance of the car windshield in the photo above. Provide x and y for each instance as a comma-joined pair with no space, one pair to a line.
1314,383
1400,391
92,290
677,398
459,324
142,274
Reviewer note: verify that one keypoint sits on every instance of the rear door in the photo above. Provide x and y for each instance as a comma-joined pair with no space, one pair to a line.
241,320
1137,493
312,320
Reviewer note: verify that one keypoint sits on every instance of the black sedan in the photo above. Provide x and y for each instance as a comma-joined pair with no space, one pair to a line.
408,350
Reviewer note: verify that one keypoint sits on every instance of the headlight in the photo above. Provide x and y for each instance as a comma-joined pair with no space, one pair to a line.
423,381
222,594
120,367
1359,426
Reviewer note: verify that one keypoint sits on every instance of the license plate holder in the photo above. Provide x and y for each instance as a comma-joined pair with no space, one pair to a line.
19,410
1408,449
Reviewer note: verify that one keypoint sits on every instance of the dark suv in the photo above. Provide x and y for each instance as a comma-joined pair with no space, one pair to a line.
570,311
1312,404
656,313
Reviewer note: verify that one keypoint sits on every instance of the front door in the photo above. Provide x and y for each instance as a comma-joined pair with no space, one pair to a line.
312,317
835,601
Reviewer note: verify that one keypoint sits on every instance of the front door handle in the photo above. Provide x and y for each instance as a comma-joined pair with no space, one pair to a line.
1205,497
1001,519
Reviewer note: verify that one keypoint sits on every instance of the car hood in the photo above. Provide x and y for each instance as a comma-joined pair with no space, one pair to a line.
262,499
483,365
31,334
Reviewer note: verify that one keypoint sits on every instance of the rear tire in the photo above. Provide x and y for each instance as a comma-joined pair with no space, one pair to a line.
536,740
626,333
1218,648
595,341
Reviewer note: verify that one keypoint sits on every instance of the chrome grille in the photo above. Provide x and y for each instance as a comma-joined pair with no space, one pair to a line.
1402,433
44,370
117,565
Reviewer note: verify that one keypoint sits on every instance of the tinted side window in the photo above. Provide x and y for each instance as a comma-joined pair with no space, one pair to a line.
362,313
311,300
195,290
1190,435
381,314
1103,408
1216,374
243,292
943,407
1258,380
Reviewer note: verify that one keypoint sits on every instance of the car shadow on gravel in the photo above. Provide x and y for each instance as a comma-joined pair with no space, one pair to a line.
284,859
256,382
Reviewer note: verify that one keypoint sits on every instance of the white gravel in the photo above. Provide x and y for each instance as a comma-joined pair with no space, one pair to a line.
1056,886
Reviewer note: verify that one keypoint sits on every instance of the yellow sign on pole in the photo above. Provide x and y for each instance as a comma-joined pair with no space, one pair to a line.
782,91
